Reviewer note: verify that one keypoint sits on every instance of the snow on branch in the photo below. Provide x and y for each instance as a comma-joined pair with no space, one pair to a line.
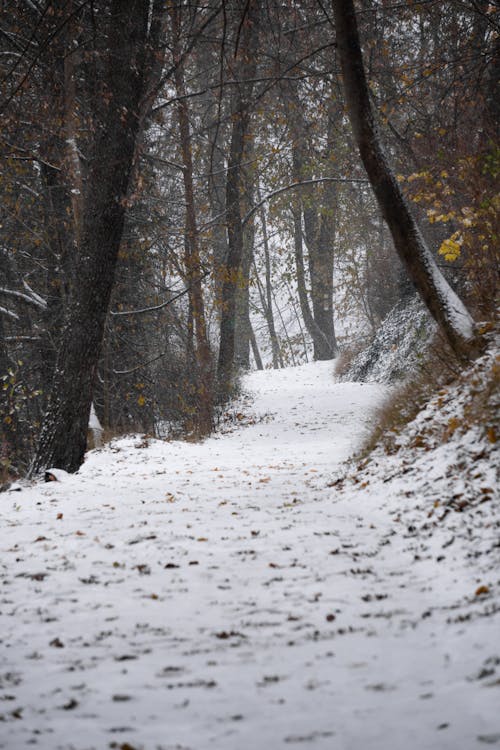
32,298
8,313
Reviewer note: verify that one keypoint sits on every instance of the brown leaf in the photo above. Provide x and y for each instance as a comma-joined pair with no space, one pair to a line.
482,590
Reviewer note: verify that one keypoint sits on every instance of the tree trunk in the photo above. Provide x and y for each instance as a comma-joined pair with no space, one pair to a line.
322,345
192,260
444,305
63,435
245,68
319,235
268,301
255,350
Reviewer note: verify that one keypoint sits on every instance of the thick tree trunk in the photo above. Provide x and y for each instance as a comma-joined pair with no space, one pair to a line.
243,325
192,261
63,435
442,302
245,69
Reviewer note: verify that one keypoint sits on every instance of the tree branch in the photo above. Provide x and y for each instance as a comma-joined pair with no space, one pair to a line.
293,185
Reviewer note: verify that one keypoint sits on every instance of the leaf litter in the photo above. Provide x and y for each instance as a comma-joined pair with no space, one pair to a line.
313,657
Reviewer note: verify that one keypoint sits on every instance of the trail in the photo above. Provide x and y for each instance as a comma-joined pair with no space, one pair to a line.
227,595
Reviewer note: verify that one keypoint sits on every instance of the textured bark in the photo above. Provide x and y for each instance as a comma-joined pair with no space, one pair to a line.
442,302
192,262
63,435
244,73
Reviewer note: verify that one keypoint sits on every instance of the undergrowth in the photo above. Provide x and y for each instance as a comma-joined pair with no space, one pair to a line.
460,399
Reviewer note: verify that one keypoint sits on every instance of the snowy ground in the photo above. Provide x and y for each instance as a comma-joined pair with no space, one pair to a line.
232,595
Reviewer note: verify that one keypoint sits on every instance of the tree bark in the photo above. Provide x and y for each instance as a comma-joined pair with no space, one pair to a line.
444,305
268,300
317,212
192,259
63,436
245,72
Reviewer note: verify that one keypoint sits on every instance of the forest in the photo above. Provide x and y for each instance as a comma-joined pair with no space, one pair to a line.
249,374
189,190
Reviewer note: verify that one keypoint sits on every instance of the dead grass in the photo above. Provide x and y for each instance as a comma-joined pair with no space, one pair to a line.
437,372
346,357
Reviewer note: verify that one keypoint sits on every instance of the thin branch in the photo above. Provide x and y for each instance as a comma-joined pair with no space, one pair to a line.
155,308
45,44
9,313
35,300
293,185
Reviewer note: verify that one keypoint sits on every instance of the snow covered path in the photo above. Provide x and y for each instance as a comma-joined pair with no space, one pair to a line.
181,596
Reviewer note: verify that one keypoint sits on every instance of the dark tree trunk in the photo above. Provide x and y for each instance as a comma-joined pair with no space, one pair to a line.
245,72
192,261
63,435
323,343
442,302
242,322
268,299
255,350
317,209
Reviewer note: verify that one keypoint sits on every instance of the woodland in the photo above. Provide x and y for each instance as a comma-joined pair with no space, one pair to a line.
189,190
248,337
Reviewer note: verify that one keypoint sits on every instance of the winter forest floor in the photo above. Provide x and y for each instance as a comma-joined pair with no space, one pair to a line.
237,594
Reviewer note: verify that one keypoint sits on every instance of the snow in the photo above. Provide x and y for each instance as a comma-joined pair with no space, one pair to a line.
457,314
397,347
239,593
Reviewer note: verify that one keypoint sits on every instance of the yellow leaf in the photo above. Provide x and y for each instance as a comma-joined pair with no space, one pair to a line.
141,400
450,249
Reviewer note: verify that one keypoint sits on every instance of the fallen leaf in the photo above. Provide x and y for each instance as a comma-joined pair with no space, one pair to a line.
482,590
70,705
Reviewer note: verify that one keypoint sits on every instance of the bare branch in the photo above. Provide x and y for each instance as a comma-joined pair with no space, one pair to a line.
299,184
32,299
155,308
